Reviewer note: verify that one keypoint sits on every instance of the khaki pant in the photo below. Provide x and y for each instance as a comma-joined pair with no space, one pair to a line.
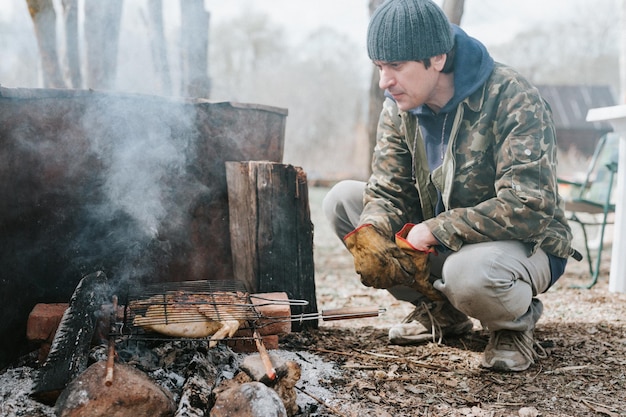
494,282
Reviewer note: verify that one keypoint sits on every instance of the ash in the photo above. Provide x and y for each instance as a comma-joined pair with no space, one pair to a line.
15,386
166,363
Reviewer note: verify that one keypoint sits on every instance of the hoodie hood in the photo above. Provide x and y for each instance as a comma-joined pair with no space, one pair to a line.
472,66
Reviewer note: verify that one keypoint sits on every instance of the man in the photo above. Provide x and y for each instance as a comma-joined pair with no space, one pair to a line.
463,179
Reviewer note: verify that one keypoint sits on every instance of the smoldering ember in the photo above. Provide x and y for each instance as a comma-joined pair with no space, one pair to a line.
134,282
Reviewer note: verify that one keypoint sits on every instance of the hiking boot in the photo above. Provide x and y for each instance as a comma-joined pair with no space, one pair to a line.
510,350
430,321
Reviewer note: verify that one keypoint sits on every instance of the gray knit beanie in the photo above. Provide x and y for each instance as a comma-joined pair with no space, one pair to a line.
408,30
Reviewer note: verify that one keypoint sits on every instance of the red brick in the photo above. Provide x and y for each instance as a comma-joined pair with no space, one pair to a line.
43,321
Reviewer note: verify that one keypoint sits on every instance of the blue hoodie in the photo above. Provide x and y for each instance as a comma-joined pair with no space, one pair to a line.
472,66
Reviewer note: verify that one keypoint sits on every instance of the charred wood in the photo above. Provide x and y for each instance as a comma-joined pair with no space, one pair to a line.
196,398
69,352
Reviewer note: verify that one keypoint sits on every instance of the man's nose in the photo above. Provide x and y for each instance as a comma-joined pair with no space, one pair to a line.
386,80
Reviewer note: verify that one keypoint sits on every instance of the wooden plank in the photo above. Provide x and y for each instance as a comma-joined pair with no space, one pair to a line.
271,231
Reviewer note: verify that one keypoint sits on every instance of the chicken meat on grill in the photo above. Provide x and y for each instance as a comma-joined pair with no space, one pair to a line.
178,314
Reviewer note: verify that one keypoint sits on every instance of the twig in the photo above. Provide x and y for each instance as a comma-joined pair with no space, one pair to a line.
265,357
599,408
320,401
383,356
110,365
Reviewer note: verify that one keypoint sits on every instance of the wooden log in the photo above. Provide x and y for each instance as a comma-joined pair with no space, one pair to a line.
69,352
271,231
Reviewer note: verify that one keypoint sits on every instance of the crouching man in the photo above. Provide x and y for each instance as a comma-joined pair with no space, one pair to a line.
461,215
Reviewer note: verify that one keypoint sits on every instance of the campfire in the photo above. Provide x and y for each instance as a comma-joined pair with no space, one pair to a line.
115,354
177,202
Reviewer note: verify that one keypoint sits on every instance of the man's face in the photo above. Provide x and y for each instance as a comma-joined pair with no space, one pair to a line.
410,83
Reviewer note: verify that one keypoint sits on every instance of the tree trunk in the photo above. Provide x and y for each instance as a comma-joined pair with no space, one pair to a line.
159,46
376,98
622,56
70,13
194,49
454,10
44,18
102,31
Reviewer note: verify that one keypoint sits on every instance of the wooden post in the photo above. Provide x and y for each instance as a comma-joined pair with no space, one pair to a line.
271,231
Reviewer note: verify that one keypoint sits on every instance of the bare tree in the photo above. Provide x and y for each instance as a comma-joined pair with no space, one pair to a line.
102,30
72,53
622,55
44,19
376,96
158,45
102,24
454,10
194,48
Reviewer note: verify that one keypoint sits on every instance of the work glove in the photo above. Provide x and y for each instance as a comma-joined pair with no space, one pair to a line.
421,278
378,260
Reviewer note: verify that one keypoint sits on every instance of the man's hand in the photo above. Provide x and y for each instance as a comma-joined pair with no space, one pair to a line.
379,261
419,237
421,281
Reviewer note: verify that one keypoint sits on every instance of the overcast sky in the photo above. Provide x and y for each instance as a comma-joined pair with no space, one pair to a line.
491,21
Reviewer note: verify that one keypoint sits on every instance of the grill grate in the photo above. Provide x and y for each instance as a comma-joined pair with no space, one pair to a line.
199,309
191,309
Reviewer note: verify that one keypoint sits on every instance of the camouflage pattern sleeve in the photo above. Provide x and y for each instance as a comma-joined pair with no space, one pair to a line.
391,199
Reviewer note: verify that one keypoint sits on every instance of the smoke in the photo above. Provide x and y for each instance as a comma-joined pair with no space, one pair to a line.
139,167
141,191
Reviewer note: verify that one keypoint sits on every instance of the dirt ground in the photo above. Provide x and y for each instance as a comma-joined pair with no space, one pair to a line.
582,330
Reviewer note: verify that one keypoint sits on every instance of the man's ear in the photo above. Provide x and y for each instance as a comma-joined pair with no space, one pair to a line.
438,61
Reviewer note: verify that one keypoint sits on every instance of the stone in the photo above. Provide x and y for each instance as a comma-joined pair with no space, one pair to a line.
288,372
250,399
132,394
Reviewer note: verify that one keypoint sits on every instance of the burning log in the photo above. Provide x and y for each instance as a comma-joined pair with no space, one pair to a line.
69,352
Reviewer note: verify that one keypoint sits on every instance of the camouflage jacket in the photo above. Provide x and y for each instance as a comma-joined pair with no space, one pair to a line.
497,179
